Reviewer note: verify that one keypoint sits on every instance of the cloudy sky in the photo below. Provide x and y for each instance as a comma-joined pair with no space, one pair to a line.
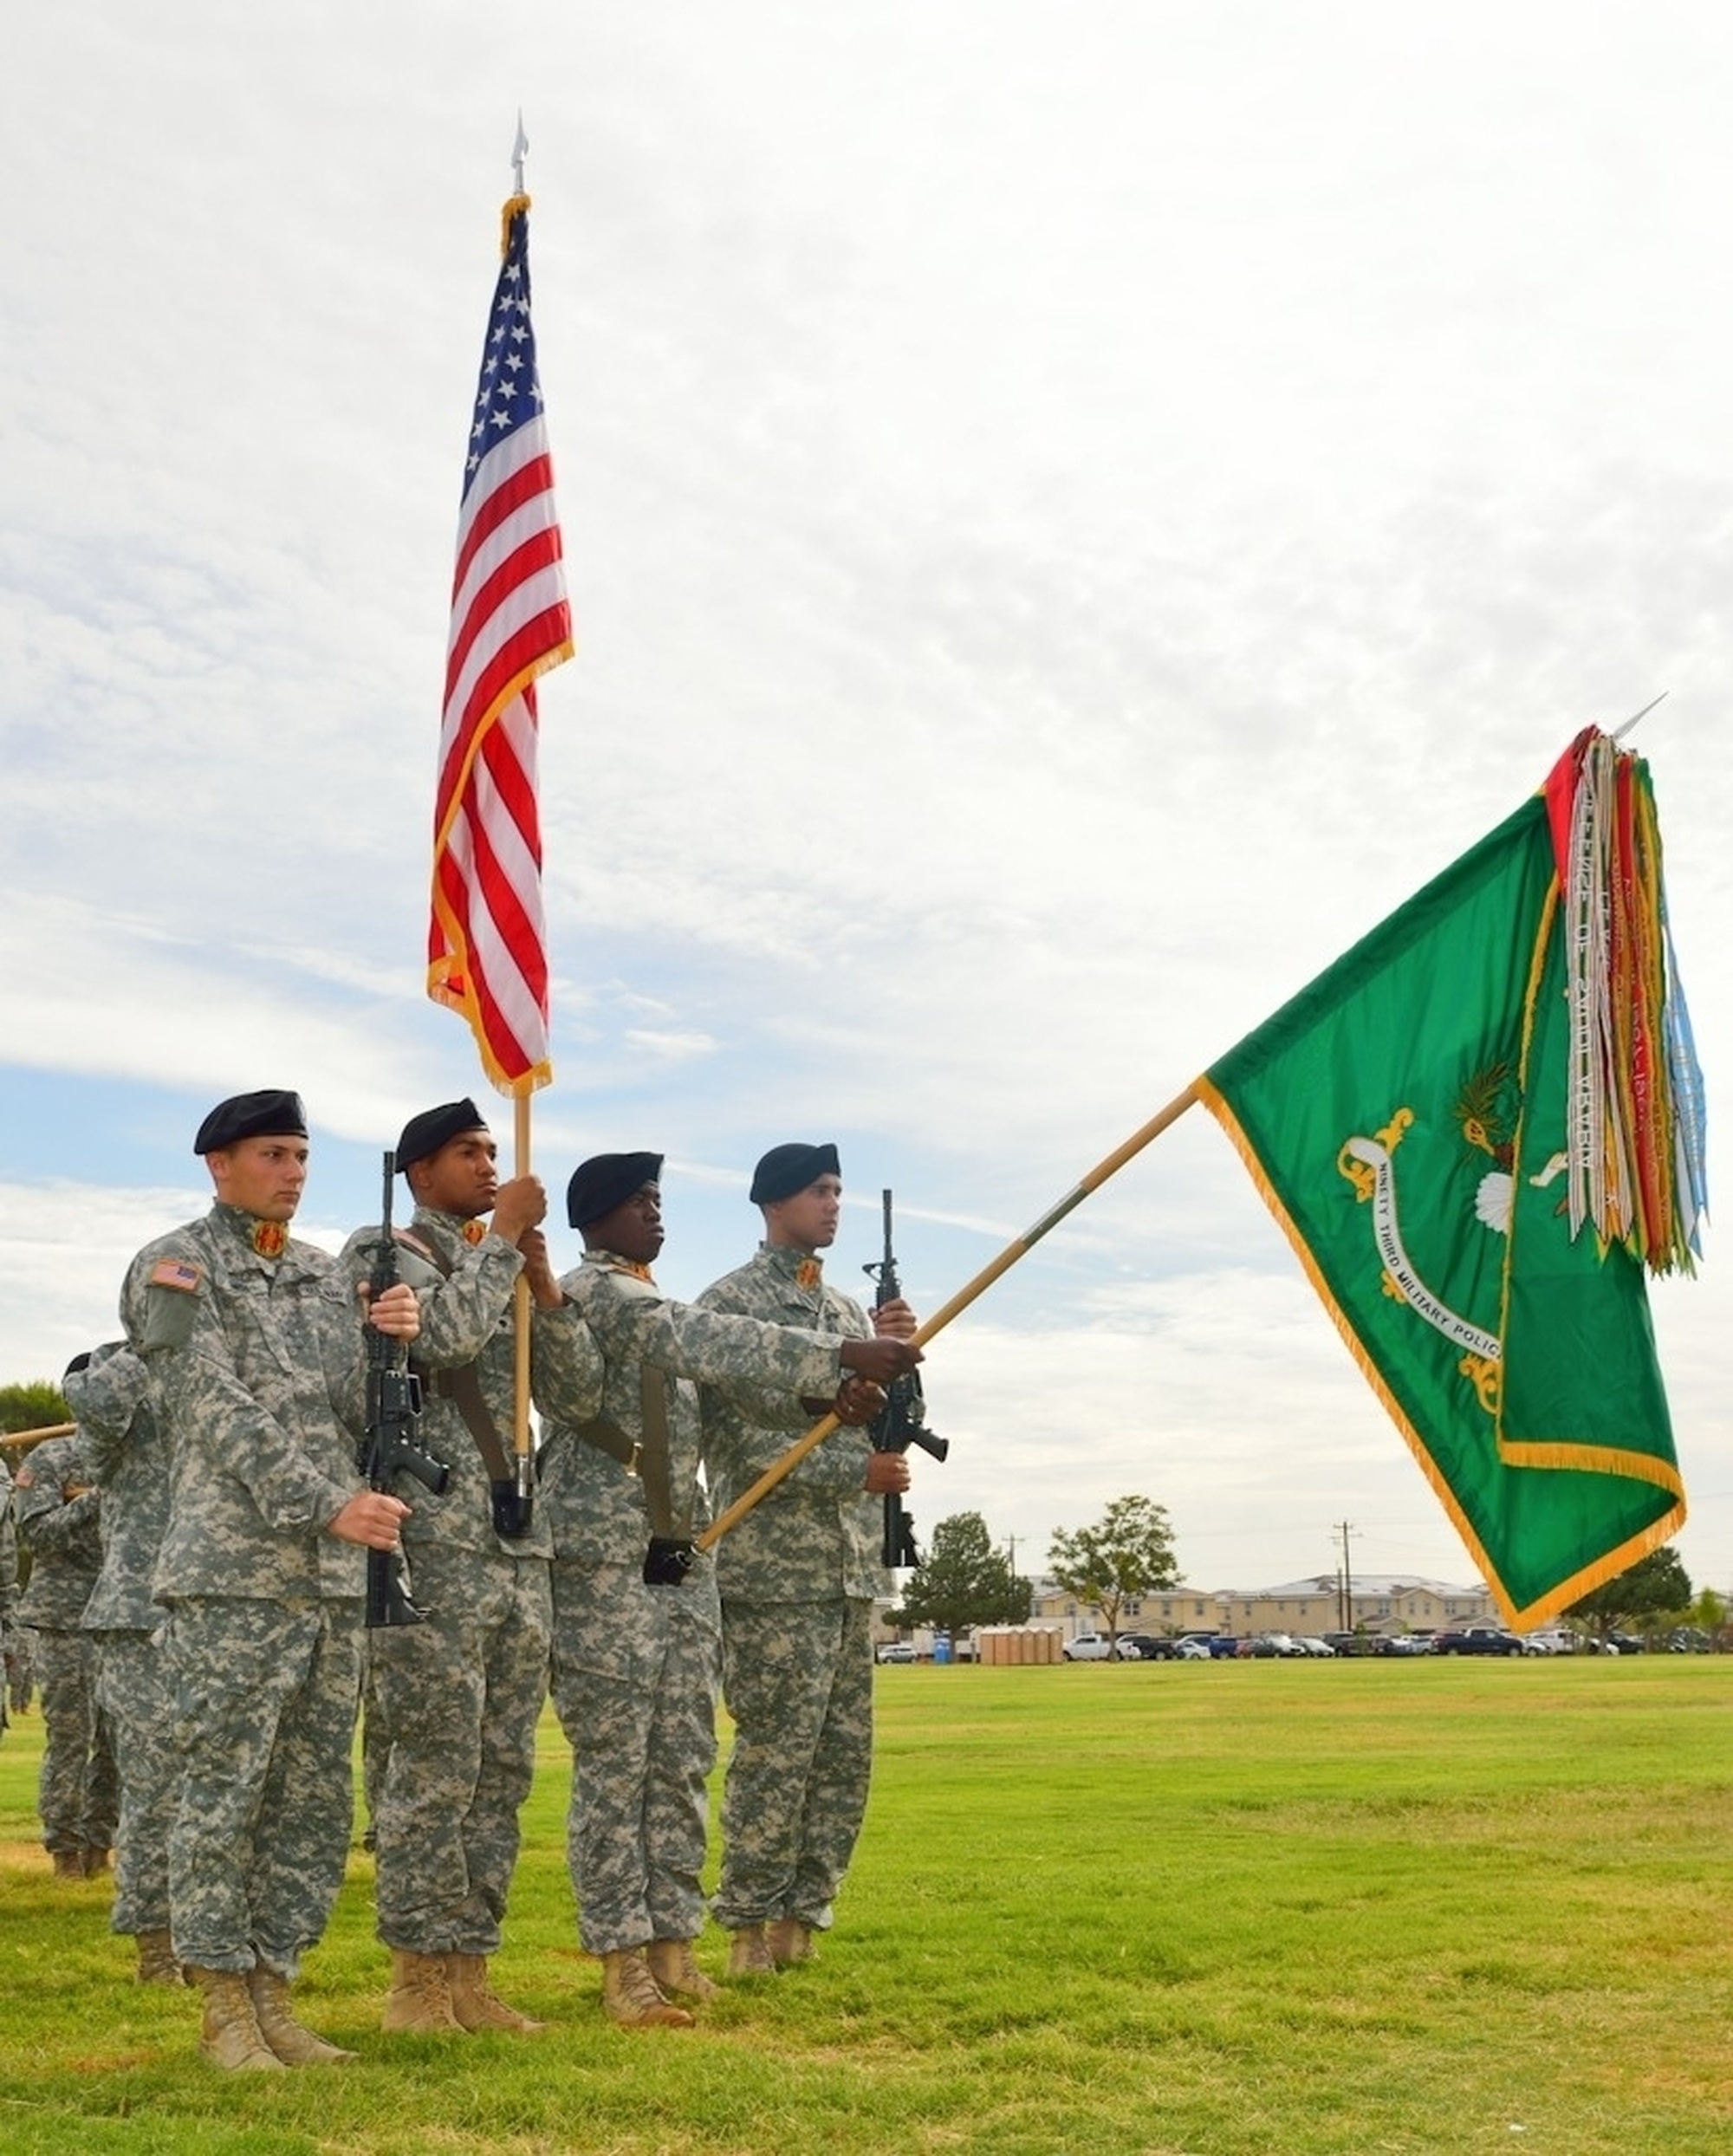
1072,515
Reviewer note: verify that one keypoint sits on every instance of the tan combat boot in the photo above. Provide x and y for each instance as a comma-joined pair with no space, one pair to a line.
419,2002
677,1973
789,1941
476,2004
230,2036
293,2044
631,1996
69,1864
749,1955
96,1862
157,1963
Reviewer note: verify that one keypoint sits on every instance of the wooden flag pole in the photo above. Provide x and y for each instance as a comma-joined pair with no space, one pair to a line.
960,1301
24,1439
521,1311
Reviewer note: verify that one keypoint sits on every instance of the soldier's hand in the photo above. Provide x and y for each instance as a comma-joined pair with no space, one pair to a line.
858,1402
880,1359
538,1270
895,1321
396,1312
372,1517
888,1472
520,1204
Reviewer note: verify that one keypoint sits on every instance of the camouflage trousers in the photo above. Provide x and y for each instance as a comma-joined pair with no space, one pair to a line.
797,1678
456,1700
79,1794
133,1687
635,1688
265,1694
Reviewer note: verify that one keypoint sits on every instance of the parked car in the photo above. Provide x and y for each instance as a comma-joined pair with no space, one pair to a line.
1224,1649
1476,1639
1087,1647
1320,1649
1191,1650
896,1651
1271,1646
1617,1643
1402,1643
1137,1646
1348,1642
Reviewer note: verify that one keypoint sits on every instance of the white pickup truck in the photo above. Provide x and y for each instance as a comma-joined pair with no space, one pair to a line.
1087,1647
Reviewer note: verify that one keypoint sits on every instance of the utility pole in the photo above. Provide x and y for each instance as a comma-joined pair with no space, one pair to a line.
1345,1596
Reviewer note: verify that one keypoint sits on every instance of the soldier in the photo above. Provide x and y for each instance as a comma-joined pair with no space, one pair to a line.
636,1661
8,1587
59,1524
106,1390
455,1699
798,1575
255,1351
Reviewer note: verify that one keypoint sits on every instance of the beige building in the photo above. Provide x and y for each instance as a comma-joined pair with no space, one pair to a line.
1378,1603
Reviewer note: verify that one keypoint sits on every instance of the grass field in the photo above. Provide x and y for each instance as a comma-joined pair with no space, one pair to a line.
1376,1909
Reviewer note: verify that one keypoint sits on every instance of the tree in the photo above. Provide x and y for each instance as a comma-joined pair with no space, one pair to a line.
1128,1552
963,1581
36,1406
1655,1587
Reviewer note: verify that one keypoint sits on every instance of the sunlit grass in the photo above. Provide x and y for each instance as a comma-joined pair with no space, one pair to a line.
1244,1909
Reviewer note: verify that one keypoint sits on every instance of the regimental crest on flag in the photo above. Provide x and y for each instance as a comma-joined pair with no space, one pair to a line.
510,622
1474,1174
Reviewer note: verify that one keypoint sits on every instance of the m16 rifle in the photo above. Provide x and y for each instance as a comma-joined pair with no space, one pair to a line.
390,1447
902,1421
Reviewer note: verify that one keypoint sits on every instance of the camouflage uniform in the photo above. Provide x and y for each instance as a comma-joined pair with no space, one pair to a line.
79,1791
253,1344
128,1457
455,1699
9,1585
636,1667
798,1575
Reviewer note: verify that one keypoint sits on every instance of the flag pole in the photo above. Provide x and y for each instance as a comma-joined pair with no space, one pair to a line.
21,1440
521,1313
966,1294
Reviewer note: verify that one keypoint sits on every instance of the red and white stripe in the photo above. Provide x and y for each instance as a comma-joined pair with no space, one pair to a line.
511,621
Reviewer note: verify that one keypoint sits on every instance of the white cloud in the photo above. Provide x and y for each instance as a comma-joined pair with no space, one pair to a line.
1071,518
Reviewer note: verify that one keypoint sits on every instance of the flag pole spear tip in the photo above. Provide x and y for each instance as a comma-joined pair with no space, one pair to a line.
1643,713
520,150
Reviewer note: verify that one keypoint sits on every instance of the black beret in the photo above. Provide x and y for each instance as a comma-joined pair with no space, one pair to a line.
78,1363
607,1180
786,1169
251,1115
424,1134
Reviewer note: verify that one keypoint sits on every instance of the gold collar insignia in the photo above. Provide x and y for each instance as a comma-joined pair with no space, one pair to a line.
808,1273
271,1238
474,1231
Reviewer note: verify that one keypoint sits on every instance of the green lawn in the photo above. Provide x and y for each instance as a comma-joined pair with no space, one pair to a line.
1376,1909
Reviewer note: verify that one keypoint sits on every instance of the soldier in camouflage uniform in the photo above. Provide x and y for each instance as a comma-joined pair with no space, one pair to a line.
106,1390
636,1660
253,1344
59,1514
457,1698
798,1576
8,1579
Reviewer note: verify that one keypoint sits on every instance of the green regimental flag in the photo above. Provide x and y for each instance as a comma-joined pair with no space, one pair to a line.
1425,1120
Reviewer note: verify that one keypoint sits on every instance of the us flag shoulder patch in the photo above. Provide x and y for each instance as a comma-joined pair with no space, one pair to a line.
176,1272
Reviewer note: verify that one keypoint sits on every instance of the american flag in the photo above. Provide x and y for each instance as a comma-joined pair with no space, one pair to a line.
487,949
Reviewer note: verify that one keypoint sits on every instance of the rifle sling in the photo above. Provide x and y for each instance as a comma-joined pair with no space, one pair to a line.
647,1457
463,1387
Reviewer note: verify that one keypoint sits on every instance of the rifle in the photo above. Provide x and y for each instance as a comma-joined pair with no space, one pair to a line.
393,1418
902,1421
